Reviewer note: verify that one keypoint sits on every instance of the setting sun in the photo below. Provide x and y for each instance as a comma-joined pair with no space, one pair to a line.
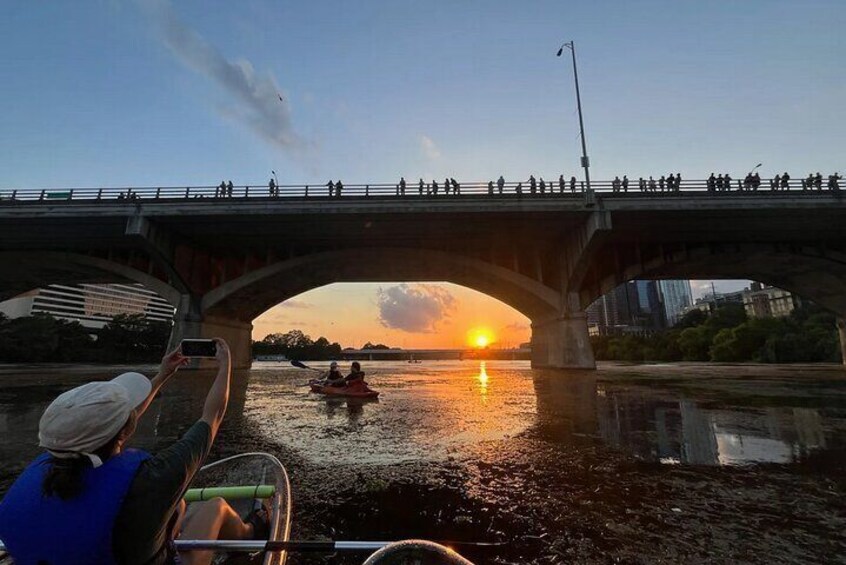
480,337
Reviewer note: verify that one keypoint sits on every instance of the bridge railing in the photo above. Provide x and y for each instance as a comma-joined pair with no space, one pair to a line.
412,191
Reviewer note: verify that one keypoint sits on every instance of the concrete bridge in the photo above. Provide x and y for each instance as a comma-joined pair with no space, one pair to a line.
223,258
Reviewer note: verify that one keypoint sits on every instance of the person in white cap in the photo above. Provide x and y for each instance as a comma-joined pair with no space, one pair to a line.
89,500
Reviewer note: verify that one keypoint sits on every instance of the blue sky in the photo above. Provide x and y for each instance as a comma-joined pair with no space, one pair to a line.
147,92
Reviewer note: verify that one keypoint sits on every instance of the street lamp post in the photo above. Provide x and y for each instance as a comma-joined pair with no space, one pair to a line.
585,163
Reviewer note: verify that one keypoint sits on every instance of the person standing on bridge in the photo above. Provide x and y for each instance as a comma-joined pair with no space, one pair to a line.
641,184
456,188
490,188
542,186
774,184
500,184
651,184
533,184
420,186
402,186
229,189
625,183
221,189
785,181
561,184
832,182
615,184
339,186
331,186
434,187
671,183
446,186
573,184
711,183
271,187
519,188
678,182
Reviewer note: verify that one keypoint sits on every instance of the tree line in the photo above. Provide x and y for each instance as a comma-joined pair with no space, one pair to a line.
41,338
297,345
808,335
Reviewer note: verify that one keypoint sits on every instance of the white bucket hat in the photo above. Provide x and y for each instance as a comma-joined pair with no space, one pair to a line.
85,418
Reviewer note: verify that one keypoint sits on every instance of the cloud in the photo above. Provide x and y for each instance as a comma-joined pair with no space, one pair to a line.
517,327
429,149
255,96
414,308
298,304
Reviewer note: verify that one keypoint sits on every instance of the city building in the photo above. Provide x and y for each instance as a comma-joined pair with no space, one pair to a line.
711,302
677,297
761,301
632,307
92,305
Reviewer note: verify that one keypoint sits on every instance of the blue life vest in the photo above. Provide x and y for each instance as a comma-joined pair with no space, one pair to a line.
42,530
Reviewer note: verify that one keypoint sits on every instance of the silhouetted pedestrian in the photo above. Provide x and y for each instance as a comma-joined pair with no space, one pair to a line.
641,184
420,186
785,181
456,188
221,189
533,185
519,188
402,186
651,184
671,182
661,182
229,188
711,183
490,188
747,181
615,184
808,183
818,181
776,182
727,181
756,181
625,183
721,185
678,182
832,182
561,184
500,184
434,187
542,186
339,186
271,187
331,186
572,184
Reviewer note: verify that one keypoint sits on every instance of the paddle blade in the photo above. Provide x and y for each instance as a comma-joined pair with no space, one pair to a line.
296,363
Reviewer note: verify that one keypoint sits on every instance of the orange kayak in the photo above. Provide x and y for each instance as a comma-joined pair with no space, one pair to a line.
355,390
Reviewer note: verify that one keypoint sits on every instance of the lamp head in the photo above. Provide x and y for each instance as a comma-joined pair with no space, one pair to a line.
561,50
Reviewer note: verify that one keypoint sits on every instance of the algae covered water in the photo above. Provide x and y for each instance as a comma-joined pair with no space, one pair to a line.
628,463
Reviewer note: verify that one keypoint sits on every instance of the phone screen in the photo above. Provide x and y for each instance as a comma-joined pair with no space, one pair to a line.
199,348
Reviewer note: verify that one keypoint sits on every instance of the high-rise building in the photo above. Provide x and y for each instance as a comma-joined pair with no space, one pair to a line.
761,301
634,306
676,297
92,305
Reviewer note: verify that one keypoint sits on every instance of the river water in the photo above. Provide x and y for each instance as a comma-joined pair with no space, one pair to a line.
646,463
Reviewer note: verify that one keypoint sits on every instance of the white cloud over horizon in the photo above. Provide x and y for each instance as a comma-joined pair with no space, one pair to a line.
415,308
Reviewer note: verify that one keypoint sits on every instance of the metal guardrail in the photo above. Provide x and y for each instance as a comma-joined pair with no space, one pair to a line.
412,191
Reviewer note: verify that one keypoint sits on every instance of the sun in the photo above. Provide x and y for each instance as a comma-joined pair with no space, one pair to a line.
480,337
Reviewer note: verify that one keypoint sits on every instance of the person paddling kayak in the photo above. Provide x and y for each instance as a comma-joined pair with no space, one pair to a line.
356,374
334,377
89,500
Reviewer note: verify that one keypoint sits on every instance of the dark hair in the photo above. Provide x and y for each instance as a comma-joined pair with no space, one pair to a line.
64,477
356,365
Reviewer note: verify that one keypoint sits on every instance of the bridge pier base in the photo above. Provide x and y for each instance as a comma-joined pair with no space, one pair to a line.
562,343
841,331
189,323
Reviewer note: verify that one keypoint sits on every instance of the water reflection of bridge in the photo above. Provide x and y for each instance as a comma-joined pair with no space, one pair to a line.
655,427
397,354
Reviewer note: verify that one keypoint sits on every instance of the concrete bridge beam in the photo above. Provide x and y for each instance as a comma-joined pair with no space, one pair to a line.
190,322
562,343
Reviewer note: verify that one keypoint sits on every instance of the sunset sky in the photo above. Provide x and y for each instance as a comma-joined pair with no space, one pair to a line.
153,92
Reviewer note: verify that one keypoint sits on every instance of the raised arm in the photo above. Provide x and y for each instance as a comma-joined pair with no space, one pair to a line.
218,396
170,364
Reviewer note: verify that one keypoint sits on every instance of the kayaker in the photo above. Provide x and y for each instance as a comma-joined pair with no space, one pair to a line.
89,500
356,374
334,377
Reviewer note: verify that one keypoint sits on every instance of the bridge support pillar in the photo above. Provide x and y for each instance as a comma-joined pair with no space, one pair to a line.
189,322
562,343
841,330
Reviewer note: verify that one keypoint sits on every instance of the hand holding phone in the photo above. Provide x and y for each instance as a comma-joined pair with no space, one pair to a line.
199,348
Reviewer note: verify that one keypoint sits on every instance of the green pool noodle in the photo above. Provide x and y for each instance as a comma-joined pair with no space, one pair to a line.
229,493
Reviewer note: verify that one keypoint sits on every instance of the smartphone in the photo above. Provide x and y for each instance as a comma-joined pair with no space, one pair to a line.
199,348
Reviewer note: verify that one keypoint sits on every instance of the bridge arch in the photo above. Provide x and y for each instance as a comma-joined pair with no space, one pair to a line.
248,296
35,269
813,273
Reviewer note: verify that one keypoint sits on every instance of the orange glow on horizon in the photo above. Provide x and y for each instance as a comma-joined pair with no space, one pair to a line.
480,338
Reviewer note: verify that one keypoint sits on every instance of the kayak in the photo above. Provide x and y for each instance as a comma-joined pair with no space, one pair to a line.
247,481
416,552
358,389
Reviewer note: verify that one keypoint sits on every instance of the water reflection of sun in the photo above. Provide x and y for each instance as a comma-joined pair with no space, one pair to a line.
483,381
